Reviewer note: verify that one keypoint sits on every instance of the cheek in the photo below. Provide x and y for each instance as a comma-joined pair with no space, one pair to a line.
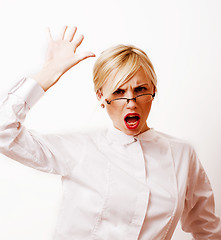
114,114
110,112
146,109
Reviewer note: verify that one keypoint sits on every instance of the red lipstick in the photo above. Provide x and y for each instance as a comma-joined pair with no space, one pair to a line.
132,120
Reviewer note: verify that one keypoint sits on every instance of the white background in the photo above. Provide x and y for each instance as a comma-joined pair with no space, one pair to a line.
183,40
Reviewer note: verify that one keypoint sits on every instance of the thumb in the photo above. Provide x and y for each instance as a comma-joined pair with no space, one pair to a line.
82,56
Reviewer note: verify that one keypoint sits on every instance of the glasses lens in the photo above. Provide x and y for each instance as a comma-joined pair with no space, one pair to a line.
144,98
118,102
140,98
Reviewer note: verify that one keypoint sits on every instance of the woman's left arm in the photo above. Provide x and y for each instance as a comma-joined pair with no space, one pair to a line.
198,216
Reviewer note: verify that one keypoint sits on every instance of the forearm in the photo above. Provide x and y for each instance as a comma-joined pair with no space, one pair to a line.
25,146
13,110
199,216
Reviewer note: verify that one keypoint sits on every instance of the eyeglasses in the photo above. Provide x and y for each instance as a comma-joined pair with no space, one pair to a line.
138,99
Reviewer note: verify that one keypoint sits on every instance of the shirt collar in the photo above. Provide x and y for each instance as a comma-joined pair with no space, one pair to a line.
116,136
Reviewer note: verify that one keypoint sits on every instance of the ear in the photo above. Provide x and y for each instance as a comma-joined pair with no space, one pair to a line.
99,94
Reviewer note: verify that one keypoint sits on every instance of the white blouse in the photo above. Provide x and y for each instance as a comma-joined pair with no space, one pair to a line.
115,186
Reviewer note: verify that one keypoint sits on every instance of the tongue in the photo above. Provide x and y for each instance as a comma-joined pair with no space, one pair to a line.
131,119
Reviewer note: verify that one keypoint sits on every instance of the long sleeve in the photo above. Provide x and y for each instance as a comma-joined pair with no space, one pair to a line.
199,216
49,153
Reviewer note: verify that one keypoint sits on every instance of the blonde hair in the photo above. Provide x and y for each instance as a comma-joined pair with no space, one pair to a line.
118,64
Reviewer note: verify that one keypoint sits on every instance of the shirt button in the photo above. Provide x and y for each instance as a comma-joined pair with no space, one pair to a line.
18,125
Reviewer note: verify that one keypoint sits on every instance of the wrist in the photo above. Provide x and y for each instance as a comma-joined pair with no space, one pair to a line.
47,77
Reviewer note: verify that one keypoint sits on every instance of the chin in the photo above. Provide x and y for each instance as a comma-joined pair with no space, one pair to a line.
132,132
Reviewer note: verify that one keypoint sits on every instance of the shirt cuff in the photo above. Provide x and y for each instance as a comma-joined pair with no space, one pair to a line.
29,90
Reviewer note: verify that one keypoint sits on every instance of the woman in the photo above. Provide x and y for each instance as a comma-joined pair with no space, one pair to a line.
128,182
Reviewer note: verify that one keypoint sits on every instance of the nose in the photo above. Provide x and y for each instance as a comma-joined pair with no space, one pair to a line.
131,99
131,103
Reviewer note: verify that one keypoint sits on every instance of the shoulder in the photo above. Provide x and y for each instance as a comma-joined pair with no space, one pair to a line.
182,152
89,137
79,138
176,144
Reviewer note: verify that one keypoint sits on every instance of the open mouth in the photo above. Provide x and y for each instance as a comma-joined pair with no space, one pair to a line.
132,120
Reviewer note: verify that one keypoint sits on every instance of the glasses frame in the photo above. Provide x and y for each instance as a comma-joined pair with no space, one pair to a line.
128,99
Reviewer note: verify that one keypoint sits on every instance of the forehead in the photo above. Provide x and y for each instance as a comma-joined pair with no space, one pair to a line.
138,79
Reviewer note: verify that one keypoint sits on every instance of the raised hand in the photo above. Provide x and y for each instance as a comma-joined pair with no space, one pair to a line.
60,57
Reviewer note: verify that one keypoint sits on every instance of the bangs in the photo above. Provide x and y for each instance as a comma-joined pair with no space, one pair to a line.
122,73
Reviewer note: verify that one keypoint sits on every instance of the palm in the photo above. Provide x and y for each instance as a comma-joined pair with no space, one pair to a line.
62,53
61,56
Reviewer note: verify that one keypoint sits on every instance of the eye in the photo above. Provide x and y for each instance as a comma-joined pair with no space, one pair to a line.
140,89
118,92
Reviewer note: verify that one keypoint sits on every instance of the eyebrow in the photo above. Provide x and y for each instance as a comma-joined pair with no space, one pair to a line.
142,84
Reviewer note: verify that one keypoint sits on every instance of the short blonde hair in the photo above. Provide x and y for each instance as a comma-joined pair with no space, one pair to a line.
117,65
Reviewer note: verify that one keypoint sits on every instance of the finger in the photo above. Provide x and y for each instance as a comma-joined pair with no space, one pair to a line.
48,32
84,55
63,30
71,34
78,42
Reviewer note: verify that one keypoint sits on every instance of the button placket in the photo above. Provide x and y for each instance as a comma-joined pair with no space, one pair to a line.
138,159
142,194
